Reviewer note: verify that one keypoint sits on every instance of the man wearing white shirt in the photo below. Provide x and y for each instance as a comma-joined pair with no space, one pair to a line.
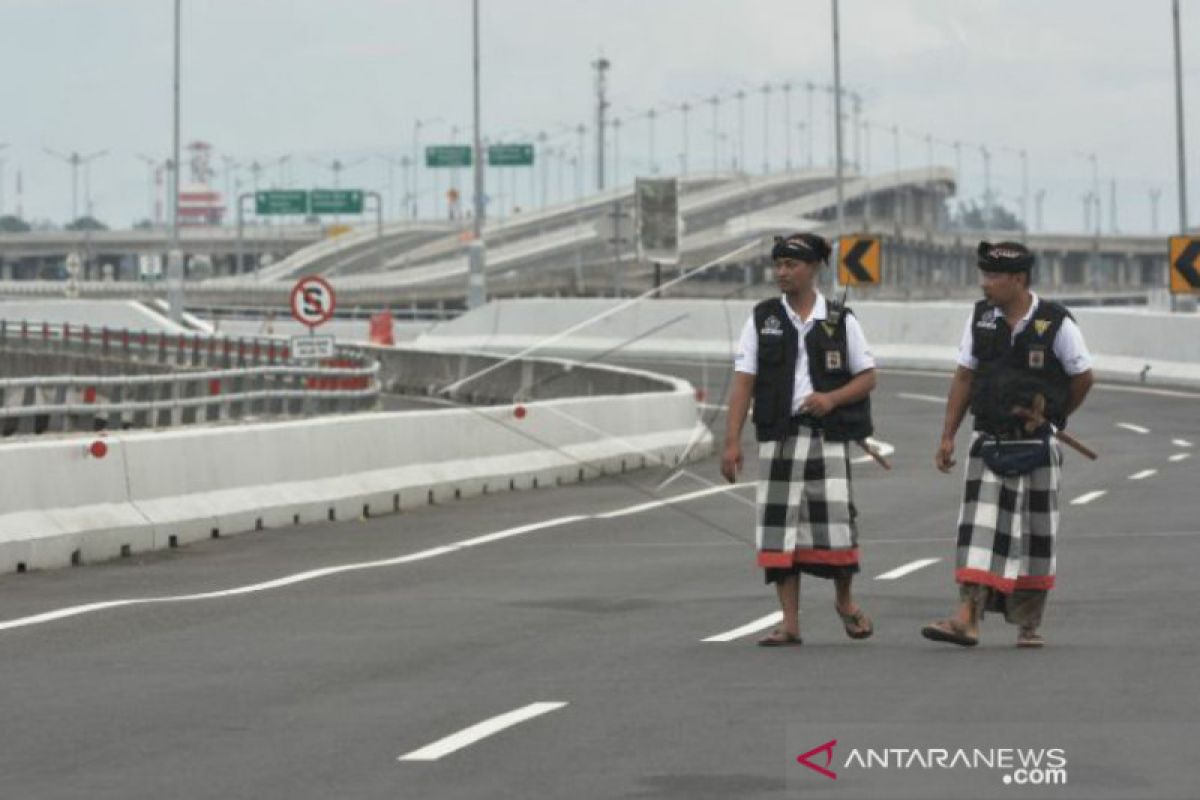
1018,351
805,363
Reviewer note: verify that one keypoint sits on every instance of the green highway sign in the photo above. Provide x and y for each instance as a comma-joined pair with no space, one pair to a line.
288,201
510,155
448,155
335,201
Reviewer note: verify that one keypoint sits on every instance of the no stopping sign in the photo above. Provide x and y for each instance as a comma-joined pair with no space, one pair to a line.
313,301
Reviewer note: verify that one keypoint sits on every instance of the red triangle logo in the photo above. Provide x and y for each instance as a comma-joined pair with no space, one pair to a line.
827,749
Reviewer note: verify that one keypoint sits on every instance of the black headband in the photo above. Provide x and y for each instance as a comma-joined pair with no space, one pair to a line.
794,248
1004,257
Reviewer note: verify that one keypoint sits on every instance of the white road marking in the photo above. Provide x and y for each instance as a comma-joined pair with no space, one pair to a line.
682,498
924,398
1179,457
906,569
482,730
1084,499
324,572
883,448
1181,443
712,407
750,627
1146,473
1129,426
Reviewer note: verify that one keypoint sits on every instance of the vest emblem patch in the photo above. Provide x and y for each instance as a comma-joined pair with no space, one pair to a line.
1040,325
1037,359
833,360
772,327
829,328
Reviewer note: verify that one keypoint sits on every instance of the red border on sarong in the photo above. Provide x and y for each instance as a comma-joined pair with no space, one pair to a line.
1005,585
837,558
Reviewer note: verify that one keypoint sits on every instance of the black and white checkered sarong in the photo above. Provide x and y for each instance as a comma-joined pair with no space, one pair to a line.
805,504
1007,527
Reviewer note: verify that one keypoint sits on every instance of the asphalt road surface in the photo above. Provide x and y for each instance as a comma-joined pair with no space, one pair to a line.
566,656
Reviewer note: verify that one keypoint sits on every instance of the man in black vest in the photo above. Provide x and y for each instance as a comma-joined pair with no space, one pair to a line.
806,364
1017,352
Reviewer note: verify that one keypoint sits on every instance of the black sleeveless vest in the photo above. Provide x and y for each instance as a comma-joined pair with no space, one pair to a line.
828,369
1012,371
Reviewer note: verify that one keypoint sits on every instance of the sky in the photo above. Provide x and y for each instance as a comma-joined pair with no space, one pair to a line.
311,81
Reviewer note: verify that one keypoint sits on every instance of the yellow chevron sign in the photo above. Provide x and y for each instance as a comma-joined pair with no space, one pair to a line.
859,260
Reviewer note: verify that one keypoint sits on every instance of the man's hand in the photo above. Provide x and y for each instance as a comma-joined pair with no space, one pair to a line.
818,404
731,461
944,459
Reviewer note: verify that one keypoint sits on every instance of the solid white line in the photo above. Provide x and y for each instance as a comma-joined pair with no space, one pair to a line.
482,730
747,629
1129,426
682,498
712,407
925,398
324,572
1179,457
1181,443
1146,473
1084,499
912,566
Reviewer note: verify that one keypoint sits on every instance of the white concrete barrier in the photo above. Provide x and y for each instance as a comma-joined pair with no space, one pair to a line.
162,488
904,335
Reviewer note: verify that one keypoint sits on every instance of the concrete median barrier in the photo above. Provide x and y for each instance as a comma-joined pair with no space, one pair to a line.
157,489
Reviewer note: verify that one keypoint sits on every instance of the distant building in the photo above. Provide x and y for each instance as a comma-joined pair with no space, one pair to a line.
199,203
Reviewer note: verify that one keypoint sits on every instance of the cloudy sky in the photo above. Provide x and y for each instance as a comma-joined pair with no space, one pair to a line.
318,80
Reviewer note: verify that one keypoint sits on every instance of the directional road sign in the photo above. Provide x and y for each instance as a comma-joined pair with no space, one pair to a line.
1185,264
288,201
448,155
313,301
510,155
859,260
657,204
335,201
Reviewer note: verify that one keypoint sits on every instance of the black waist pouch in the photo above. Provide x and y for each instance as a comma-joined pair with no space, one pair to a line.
1009,459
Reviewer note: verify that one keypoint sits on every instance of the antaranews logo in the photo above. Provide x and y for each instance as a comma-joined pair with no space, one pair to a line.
1022,766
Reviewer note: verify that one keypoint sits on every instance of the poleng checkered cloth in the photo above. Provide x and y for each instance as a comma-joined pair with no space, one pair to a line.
1007,527
805,506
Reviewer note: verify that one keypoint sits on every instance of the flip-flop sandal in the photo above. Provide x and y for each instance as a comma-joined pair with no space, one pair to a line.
1030,639
859,620
949,630
780,638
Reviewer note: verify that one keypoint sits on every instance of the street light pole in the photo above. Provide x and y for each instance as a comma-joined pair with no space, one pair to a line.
1181,161
837,132
1179,137
477,252
766,93
175,297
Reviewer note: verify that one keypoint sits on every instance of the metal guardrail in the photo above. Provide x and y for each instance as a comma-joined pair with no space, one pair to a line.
198,379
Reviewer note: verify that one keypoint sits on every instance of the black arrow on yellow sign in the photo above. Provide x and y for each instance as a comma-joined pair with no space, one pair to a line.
1185,264
860,260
